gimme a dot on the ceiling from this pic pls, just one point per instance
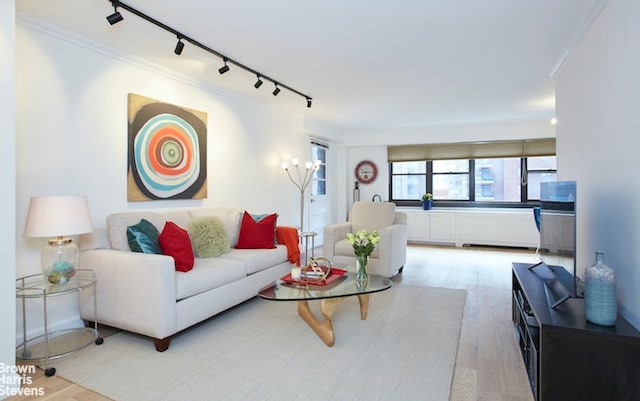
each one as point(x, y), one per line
point(367, 64)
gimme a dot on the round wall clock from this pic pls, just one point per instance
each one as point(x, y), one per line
point(366, 171)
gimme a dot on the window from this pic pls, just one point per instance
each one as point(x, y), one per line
point(408, 179)
point(319, 179)
point(498, 182)
point(539, 169)
point(451, 179)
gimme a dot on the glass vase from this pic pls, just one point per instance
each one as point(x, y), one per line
point(600, 302)
point(59, 259)
point(361, 268)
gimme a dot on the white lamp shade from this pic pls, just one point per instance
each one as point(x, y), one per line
point(53, 216)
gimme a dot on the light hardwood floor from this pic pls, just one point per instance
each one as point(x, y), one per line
point(488, 364)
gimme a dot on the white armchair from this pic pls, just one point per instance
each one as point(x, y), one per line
point(390, 254)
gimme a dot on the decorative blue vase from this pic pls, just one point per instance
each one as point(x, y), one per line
point(426, 205)
point(600, 301)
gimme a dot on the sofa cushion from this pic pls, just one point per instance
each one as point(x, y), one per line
point(207, 274)
point(143, 237)
point(255, 260)
point(344, 248)
point(174, 241)
point(209, 237)
point(97, 239)
point(257, 234)
point(230, 217)
point(180, 217)
point(372, 215)
point(117, 224)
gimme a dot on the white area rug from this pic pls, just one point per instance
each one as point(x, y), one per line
point(262, 350)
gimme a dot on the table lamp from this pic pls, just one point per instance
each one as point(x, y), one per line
point(58, 216)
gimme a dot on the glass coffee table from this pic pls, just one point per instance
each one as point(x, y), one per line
point(329, 296)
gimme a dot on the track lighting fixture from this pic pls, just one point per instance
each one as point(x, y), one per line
point(258, 83)
point(179, 46)
point(224, 68)
point(117, 17)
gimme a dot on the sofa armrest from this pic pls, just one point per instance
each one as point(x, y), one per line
point(392, 248)
point(333, 234)
point(134, 291)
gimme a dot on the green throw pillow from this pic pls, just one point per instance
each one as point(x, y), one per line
point(209, 237)
point(143, 237)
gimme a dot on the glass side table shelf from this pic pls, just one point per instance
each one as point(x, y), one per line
point(57, 344)
point(304, 238)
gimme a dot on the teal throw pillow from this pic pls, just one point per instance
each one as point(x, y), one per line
point(143, 237)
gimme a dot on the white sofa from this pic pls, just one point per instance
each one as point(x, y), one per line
point(389, 256)
point(144, 294)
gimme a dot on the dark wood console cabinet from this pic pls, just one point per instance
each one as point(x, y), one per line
point(566, 357)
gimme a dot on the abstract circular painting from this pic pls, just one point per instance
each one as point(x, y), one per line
point(167, 151)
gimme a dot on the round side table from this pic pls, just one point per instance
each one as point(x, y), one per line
point(52, 345)
point(305, 236)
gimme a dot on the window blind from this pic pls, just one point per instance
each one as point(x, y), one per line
point(472, 150)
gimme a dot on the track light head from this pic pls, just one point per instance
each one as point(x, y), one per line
point(224, 68)
point(258, 83)
point(115, 17)
point(309, 102)
point(276, 90)
point(179, 46)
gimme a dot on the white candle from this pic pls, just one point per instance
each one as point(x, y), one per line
point(296, 272)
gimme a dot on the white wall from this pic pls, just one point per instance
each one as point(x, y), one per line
point(597, 102)
point(376, 154)
point(8, 180)
point(72, 134)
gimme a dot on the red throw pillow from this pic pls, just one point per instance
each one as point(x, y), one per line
point(258, 234)
point(175, 242)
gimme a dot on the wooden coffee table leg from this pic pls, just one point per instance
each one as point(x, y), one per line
point(364, 306)
point(323, 329)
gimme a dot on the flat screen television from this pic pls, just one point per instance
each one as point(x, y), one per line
point(558, 239)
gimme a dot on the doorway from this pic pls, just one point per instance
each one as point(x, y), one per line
point(318, 202)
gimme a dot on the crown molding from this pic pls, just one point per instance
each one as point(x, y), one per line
point(591, 13)
point(74, 38)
